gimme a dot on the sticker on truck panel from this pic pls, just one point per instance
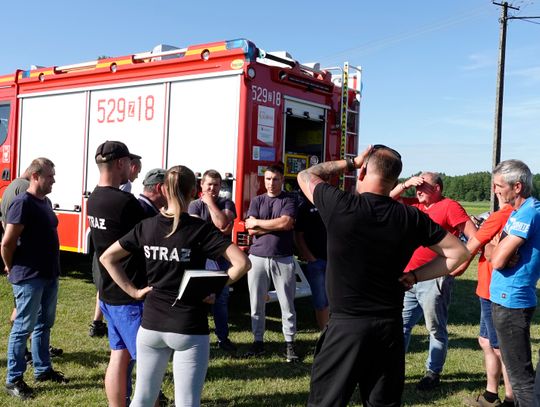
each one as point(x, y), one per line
point(6, 154)
point(237, 64)
point(264, 154)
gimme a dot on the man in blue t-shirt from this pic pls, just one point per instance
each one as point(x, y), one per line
point(31, 254)
point(270, 220)
point(516, 264)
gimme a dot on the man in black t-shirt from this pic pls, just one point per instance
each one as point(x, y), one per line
point(310, 238)
point(111, 214)
point(370, 240)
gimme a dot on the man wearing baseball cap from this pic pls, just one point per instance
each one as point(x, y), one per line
point(113, 150)
point(152, 198)
point(111, 214)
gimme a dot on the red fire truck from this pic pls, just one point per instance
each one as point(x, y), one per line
point(227, 105)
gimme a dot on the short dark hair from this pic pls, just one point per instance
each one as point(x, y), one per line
point(275, 168)
point(211, 174)
point(387, 164)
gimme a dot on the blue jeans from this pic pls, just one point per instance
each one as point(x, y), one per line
point(35, 300)
point(316, 277)
point(513, 326)
point(487, 329)
point(220, 310)
point(431, 299)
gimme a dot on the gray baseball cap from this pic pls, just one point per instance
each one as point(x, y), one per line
point(155, 176)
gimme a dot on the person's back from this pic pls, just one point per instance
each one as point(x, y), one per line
point(370, 240)
point(16, 187)
point(111, 214)
point(172, 242)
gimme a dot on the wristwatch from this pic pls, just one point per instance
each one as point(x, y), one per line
point(350, 164)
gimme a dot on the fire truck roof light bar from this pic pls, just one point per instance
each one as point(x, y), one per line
point(250, 51)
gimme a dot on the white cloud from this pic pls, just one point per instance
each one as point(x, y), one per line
point(523, 110)
point(479, 61)
point(470, 123)
point(530, 76)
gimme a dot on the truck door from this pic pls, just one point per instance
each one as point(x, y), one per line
point(304, 135)
point(5, 144)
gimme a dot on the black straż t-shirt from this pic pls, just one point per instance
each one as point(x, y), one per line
point(309, 221)
point(166, 260)
point(111, 214)
point(370, 241)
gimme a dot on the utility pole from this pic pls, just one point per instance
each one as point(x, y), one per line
point(497, 132)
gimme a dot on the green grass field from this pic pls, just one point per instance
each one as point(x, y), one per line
point(267, 381)
point(476, 208)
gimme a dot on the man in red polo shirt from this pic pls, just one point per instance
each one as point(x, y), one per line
point(431, 299)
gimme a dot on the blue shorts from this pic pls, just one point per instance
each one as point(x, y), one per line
point(123, 322)
point(316, 277)
point(487, 329)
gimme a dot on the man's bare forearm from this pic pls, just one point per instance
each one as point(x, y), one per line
point(309, 178)
point(323, 170)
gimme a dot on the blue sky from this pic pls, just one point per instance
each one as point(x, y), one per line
point(429, 67)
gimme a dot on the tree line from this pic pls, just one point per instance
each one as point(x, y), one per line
point(471, 187)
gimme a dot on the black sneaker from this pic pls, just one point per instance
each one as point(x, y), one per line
point(97, 329)
point(290, 353)
point(227, 346)
point(19, 389)
point(256, 349)
point(53, 376)
point(54, 352)
point(28, 356)
point(429, 382)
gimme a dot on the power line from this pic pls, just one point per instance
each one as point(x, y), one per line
point(393, 39)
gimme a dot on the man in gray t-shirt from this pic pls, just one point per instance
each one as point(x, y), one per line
point(221, 212)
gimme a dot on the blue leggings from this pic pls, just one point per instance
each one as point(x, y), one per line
point(190, 363)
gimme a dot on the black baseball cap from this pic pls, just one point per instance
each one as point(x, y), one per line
point(113, 150)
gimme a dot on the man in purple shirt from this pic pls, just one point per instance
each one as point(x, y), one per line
point(270, 221)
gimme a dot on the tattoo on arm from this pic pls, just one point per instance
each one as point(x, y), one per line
point(326, 169)
point(320, 172)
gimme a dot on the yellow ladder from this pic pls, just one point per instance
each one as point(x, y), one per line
point(350, 79)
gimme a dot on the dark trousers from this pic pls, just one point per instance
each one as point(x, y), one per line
point(367, 351)
point(537, 384)
point(514, 334)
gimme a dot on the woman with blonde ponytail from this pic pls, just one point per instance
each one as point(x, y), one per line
point(172, 242)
